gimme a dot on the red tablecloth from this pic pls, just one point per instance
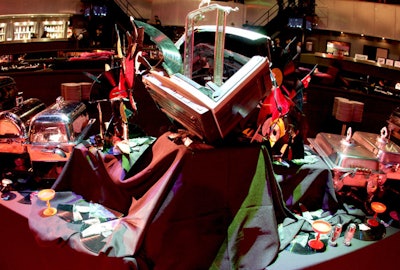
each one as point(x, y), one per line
point(184, 208)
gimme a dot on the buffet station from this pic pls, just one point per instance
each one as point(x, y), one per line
point(159, 167)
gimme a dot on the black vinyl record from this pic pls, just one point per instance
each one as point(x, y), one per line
point(301, 246)
point(372, 234)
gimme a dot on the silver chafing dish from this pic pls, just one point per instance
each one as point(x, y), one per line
point(387, 152)
point(55, 131)
point(351, 162)
point(14, 125)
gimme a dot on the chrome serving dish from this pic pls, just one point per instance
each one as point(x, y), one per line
point(344, 153)
point(14, 125)
point(386, 150)
point(55, 131)
point(352, 164)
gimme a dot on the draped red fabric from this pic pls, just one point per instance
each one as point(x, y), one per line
point(184, 208)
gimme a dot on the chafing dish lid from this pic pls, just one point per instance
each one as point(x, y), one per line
point(341, 153)
point(386, 150)
point(66, 112)
point(14, 122)
point(56, 123)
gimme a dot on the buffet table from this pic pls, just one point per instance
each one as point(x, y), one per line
point(20, 250)
point(215, 208)
point(182, 207)
point(360, 255)
point(311, 186)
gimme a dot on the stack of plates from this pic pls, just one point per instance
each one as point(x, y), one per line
point(85, 90)
point(358, 109)
point(344, 111)
point(71, 91)
point(335, 104)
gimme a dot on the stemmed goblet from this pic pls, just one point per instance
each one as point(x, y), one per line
point(47, 195)
point(320, 227)
point(378, 208)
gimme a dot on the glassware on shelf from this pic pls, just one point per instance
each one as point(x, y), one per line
point(320, 227)
point(2, 32)
point(55, 29)
point(24, 30)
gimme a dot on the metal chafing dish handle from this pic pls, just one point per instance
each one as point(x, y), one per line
point(56, 150)
point(348, 139)
point(382, 140)
point(60, 102)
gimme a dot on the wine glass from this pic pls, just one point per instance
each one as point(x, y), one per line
point(320, 227)
point(47, 195)
point(378, 208)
